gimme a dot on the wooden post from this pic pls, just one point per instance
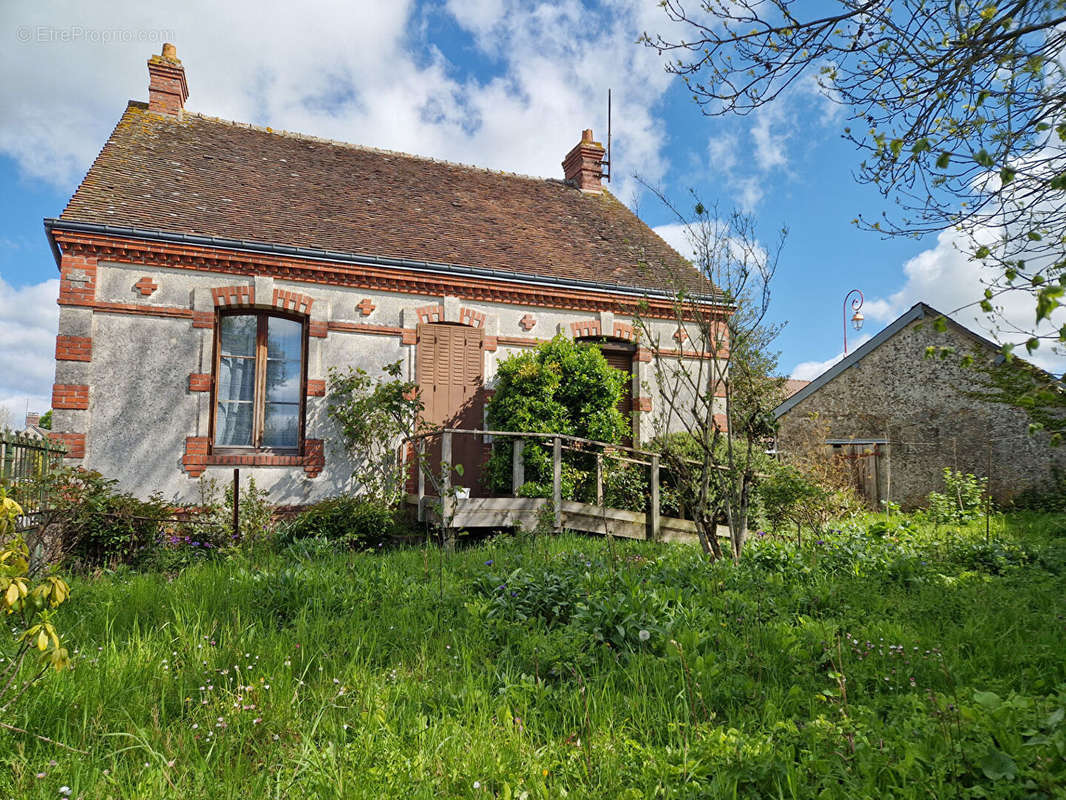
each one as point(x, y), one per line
point(654, 523)
point(599, 479)
point(557, 482)
point(447, 502)
point(236, 504)
point(420, 457)
point(518, 467)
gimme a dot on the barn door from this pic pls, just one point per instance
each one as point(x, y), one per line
point(449, 370)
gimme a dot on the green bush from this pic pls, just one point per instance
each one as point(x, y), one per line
point(354, 521)
point(963, 498)
point(560, 387)
point(97, 525)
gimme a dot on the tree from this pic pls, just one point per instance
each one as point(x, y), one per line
point(957, 109)
point(715, 373)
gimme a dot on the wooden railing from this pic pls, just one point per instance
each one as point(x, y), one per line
point(559, 442)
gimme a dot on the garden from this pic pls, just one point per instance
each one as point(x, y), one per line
point(891, 656)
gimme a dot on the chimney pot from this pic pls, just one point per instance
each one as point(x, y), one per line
point(167, 89)
point(32, 419)
point(583, 165)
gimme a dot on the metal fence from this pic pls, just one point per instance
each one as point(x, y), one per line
point(24, 456)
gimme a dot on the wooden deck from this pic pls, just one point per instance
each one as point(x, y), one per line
point(510, 512)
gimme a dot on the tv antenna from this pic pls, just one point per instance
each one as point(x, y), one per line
point(605, 171)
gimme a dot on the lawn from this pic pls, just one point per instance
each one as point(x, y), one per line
point(907, 662)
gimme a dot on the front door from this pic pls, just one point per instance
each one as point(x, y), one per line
point(449, 364)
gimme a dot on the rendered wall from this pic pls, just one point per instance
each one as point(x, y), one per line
point(143, 393)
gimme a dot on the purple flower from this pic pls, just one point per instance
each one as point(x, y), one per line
point(488, 563)
point(820, 541)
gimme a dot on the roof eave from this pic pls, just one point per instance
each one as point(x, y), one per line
point(52, 225)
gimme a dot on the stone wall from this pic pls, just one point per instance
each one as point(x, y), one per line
point(921, 407)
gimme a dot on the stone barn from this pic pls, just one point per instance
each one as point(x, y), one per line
point(212, 272)
point(899, 418)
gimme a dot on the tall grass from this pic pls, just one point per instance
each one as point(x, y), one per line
point(910, 663)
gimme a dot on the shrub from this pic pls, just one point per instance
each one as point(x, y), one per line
point(84, 519)
point(963, 498)
point(560, 387)
point(355, 521)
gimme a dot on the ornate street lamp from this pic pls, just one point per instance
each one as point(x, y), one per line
point(856, 318)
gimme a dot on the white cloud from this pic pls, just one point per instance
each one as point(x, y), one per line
point(946, 278)
point(809, 370)
point(28, 319)
point(365, 72)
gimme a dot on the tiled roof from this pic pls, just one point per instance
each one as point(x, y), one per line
point(200, 175)
point(793, 385)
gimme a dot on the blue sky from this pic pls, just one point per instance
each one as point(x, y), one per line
point(495, 83)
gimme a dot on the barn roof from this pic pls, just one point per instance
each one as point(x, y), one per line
point(206, 177)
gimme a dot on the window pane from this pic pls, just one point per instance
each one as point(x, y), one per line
point(283, 381)
point(233, 425)
point(281, 428)
point(284, 339)
point(237, 334)
point(236, 378)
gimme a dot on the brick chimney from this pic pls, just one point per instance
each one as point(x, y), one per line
point(583, 165)
point(32, 419)
point(167, 90)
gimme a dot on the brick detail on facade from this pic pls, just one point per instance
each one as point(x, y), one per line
point(316, 387)
point(146, 286)
point(624, 331)
point(586, 327)
point(74, 442)
point(292, 301)
point(195, 459)
point(680, 335)
point(241, 295)
point(314, 457)
point(721, 422)
point(199, 382)
point(74, 348)
point(409, 336)
point(490, 343)
point(73, 396)
point(365, 307)
point(203, 319)
point(430, 313)
point(643, 355)
point(198, 457)
point(642, 404)
point(475, 319)
point(77, 279)
point(318, 329)
point(527, 323)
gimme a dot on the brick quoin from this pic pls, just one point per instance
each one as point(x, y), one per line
point(74, 348)
point(70, 396)
point(77, 279)
point(314, 457)
point(203, 319)
point(195, 459)
point(316, 387)
point(642, 404)
point(74, 442)
point(199, 382)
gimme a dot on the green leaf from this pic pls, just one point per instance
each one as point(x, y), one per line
point(1034, 236)
point(982, 252)
point(1058, 182)
point(997, 765)
point(983, 158)
point(1032, 344)
point(1047, 300)
point(1006, 175)
point(989, 701)
point(940, 324)
point(944, 160)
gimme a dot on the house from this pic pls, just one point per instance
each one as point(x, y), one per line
point(212, 272)
point(899, 417)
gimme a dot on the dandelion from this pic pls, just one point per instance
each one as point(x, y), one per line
point(477, 784)
point(644, 635)
point(64, 790)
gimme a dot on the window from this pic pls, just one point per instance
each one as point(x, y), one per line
point(259, 382)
